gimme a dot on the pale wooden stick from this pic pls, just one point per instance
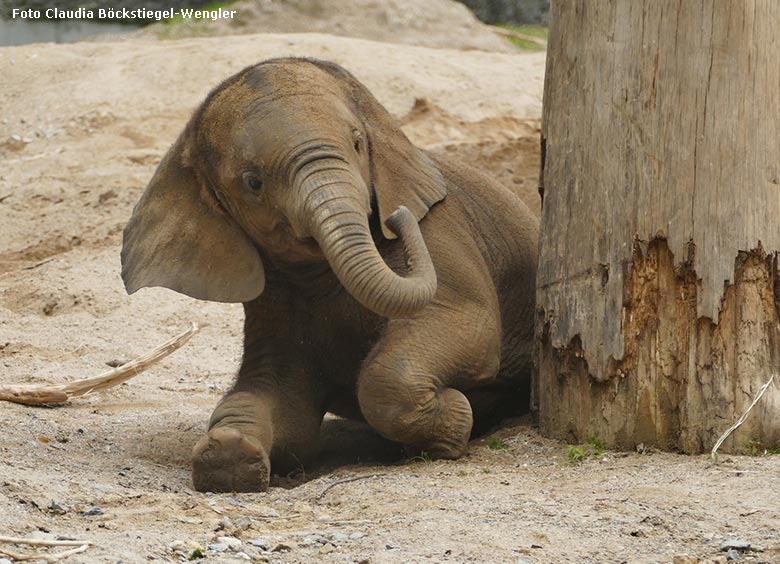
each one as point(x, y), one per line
point(43, 542)
point(741, 420)
point(38, 394)
point(46, 557)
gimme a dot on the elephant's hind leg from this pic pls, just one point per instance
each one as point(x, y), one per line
point(409, 387)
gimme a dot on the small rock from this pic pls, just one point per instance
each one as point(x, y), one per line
point(218, 547)
point(734, 544)
point(56, 508)
point(356, 536)
point(92, 512)
point(231, 542)
point(259, 543)
point(732, 555)
point(312, 539)
point(281, 548)
point(117, 362)
point(391, 546)
point(685, 560)
point(225, 524)
point(244, 523)
point(339, 537)
point(243, 556)
point(327, 548)
point(5, 561)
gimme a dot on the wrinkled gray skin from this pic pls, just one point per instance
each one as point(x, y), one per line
point(378, 281)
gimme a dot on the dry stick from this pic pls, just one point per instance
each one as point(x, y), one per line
point(39, 263)
point(46, 557)
point(43, 542)
point(741, 420)
point(346, 480)
point(37, 394)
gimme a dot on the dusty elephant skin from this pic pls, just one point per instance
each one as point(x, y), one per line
point(378, 282)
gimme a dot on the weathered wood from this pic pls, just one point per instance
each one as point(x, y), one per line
point(657, 287)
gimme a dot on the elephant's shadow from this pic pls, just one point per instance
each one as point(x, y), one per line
point(343, 442)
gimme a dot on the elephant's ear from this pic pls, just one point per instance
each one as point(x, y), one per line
point(180, 238)
point(402, 174)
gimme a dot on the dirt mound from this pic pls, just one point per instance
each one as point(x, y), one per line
point(433, 23)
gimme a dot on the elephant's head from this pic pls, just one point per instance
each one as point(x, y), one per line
point(285, 160)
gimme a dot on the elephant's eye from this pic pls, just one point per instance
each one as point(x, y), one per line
point(252, 181)
point(357, 140)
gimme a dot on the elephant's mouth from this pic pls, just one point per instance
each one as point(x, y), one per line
point(286, 247)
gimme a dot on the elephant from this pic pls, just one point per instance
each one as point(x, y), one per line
point(380, 282)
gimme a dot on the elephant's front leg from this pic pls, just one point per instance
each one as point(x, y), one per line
point(270, 420)
point(411, 387)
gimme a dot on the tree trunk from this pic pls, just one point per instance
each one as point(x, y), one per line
point(658, 293)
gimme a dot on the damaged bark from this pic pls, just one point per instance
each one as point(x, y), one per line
point(658, 314)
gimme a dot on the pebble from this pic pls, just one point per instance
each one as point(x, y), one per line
point(312, 539)
point(339, 537)
point(243, 556)
point(5, 561)
point(391, 546)
point(259, 543)
point(734, 544)
point(231, 542)
point(56, 508)
point(93, 511)
point(356, 536)
point(244, 523)
point(732, 555)
point(327, 548)
point(218, 547)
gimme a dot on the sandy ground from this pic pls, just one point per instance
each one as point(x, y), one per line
point(92, 122)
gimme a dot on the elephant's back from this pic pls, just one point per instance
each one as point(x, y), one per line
point(505, 231)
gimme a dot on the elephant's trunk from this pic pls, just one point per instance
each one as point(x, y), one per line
point(339, 223)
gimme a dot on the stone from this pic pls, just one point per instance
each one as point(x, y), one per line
point(231, 542)
point(218, 547)
point(734, 544)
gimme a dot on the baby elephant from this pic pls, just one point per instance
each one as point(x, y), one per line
point(379, 282)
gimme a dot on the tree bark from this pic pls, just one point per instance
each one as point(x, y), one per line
point(657, 290)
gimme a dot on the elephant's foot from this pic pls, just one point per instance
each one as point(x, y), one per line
point(450, 428)
point(227, 460)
